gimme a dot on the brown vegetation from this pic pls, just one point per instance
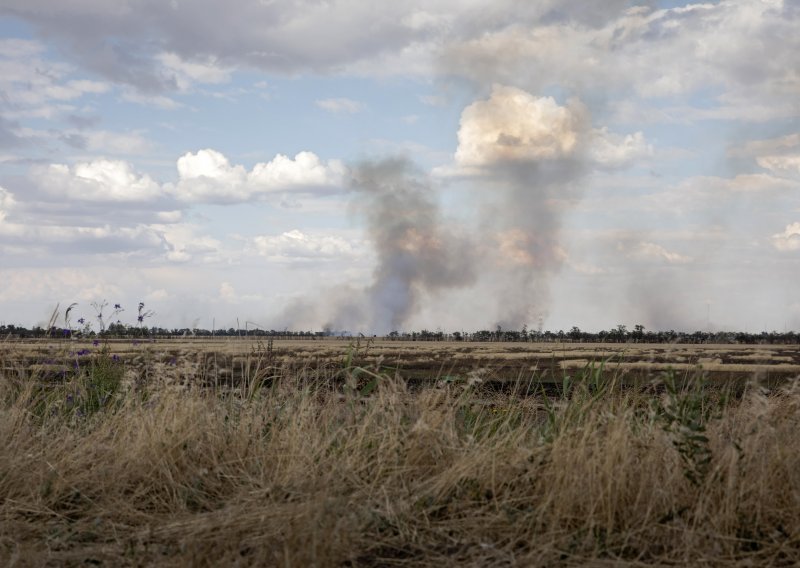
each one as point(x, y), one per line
point(289, 467)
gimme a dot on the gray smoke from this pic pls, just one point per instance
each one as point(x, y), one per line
point(530, 154)
point(416, 251)
point(532, 200)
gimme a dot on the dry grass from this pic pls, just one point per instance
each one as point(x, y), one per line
point(299, 474)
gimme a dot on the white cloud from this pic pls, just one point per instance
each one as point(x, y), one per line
point(516, 126)
point(169, 216)
point(779, 155)
point(789, 239)
point(609, 149)
point(104, 239)
point(183, 243)
point(341, 105)
point(36, 87)
point(513, 125)
point(208, 176)
point(16, 48)
point(97, 181)
point(770, 146)
point(785, 163)
point(305, 170)
point(186, 73)
point(646, 53)
point(6, 202)
point(297, 245)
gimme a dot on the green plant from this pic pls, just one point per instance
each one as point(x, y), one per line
point(96, 385)
point(684, 413)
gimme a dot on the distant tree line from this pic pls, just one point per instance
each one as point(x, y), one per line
point(618, 334)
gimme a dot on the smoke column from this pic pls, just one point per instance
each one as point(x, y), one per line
point(526, 157)
point(416, 251)
point(531, 153)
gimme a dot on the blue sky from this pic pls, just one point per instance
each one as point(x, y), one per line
point(452, 165)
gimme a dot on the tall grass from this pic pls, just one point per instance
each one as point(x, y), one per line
point(285, 470)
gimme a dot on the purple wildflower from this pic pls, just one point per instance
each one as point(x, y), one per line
point(83, 352)
point(115, 358)
point(81, 321)
point(96, 342)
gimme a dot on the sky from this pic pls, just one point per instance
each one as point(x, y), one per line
point(372, 166)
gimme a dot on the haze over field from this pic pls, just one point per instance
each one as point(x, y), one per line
point(375, 166)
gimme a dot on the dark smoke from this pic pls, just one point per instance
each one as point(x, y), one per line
point(416, 252)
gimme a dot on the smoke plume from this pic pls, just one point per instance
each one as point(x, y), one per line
point(527, 156)
point(532, 152)
point(416, 251)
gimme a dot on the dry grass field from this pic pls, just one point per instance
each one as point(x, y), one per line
point(334, 453)
point(203, 361)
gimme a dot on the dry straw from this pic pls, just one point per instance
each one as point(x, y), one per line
point(287, 469)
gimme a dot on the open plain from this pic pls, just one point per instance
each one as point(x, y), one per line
point(372, 453)
point(232, 360)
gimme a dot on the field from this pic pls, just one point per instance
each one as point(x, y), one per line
point(362, 453)
point(228, 361)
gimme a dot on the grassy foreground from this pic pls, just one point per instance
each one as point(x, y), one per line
point(369, 473)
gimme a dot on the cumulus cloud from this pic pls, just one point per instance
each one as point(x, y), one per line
point(208, 176)
point(341, 105)
point(789, 239)
point(513, 125)
point(99, 180)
